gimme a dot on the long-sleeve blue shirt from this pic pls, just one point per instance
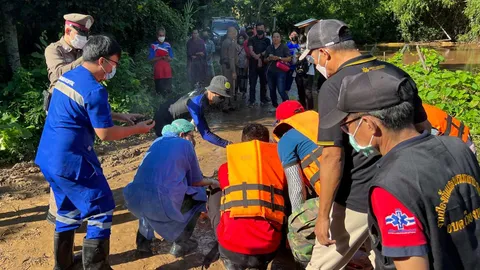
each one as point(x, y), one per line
point(195, 107)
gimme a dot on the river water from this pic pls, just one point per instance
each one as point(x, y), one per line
point(458, 57)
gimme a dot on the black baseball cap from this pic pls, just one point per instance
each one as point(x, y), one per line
point(326, 33)
point(366, 92)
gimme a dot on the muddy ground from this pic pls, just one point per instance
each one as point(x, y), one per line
point(26, 238)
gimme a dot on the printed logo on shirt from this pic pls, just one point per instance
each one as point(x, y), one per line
point(400, 220)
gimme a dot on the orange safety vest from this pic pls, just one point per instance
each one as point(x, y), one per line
point(256, 182)
point(307, 124)
point(445, 123)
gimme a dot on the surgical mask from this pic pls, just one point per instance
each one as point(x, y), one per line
point(240, 41)
point(79, 42)
point(109, 76)
point(294, 39)
point(322, 70)
point(368, 150)
point(260, 32)
point(161, 39)
point(249, 33)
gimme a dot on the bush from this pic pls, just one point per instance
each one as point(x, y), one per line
point(456, 92)
point(132, 90)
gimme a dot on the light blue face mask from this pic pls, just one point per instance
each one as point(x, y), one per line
point(368, 150)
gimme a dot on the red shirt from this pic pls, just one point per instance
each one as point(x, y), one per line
point(402, 234)
point(250, 236)
point(161, 68)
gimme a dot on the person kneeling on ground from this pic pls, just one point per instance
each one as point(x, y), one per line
point(249, 235)
point(167, 193)
point(192, 106)
point(423, 202)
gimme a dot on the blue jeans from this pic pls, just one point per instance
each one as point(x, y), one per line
point(276, 80)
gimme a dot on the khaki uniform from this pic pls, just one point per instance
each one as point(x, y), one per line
point(229, 58)
point(229, 61)
point(60, 58)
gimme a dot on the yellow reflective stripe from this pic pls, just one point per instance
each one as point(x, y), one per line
point(361, 61)
point(69, 92)
point(326, 143)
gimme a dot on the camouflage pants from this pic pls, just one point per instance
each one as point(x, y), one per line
point(301, 231)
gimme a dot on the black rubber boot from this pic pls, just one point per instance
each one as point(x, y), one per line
point(63, 250)
point(181, 249)
point(95, 254)
point(143, 245)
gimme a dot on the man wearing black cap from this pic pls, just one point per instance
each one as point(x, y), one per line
point(424, 201)
point(341, 234)
point(192, 106)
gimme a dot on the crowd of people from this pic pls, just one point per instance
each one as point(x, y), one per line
point(374, 170)
point(246, 57)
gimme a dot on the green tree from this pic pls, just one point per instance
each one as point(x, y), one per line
point(429, 19)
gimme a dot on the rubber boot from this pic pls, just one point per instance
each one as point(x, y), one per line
point(95, 254)
point(63, 250)
point(143, 245)
point(180, 249)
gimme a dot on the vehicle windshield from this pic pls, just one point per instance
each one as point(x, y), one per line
point(223, 25)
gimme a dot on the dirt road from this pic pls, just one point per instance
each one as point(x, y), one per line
point(26, 239)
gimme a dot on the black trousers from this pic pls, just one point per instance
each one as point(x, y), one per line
point(305, 90)
point(240, 261)
point(254, 72)
point(163, 86)
point(162, 118)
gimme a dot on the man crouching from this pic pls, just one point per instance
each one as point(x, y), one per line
point(167, 193)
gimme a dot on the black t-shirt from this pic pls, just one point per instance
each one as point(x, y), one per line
point(281, 51)
point(259, 44)
point(358, 170)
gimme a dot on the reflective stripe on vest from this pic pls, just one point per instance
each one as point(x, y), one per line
point(313, 158)
point(307, 124)
point(311, 169)
point(256, 182)
point(445, 123)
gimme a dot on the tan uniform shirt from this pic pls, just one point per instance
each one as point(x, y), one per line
point(229, 54)
point(60, 58)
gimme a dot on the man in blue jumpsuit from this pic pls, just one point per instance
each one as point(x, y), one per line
point(78, 110)
point(192, 106)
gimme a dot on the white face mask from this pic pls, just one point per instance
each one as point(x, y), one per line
point(161, 39)
point(79, 42)
point(322, 70)
point(109, 76)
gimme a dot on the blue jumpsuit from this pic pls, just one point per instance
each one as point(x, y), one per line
point(67, 158)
